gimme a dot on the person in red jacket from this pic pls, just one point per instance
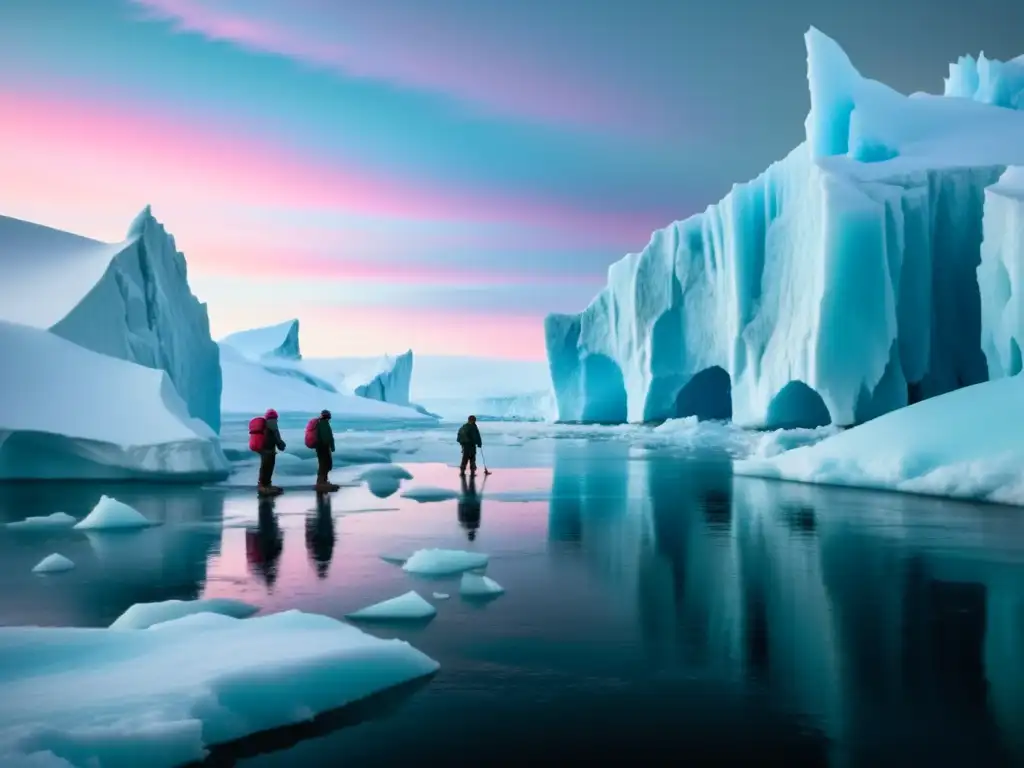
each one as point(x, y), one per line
point(272, 443)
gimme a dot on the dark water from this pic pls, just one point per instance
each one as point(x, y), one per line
point(657, 611)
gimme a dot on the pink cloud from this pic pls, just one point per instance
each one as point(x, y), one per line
point(105, 150)
point(405, 48)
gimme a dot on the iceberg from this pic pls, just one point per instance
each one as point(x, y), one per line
point(71, 413)
point(410, 606)
point(163, 697)
point(386, 378)
point(251, 387)
point(55, 563)
point(744, 311)
point(279, 341)
point(999, 275)
point(130, 300)
point(454, 387)
point(963, 444)
point(146, 615)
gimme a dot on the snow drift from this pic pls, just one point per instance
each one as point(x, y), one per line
point(837, 286)
point(70, 413)
point(130, 300)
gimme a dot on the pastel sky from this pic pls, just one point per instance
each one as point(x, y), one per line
point(434, 174)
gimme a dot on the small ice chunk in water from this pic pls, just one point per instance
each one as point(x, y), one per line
point(54, 563)
point(111, 514)
point(145, 615)
point(444, 562)
point(426, 493)
point(44, 522)
point(474, 585)
point(441, 595)
point(408, 606)
point(384, 479)
point(395, 559)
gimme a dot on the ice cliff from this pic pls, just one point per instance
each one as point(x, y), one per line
point(840, 284)
point(130, 300)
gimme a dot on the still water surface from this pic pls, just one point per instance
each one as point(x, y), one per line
point(658, 610)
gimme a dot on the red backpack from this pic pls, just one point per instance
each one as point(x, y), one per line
point(257, 434)
point(311, 432)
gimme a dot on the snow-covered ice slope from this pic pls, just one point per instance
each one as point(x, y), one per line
point(965, 444)
point(250, 388)
point(279, 341)
point(130, 300)
point(160, 697)
point(69, 413)
point(454, 387)
point(838, 285)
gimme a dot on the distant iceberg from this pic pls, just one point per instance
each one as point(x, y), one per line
point(279, 341)
point(130, 300)
point(839, 285)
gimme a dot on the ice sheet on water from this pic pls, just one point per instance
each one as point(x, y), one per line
point(474, 585)
point(160, 698)
point(111, 514)
point(441, 595)
point(408, 606)
point(428, 493)
point(963, 444)
point(146, 615)
point(444, 562)
point(57, 520)
point(54, 563)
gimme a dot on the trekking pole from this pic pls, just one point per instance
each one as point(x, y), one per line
point(484, 460)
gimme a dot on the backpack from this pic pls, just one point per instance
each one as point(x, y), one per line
point(311, 432)
point(257, 434)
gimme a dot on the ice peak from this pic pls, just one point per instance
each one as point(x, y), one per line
point(139, 223)
point(831, 78)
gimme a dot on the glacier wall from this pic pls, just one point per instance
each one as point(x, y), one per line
point(142, 310)
point(1000, 275)
point(838, 285)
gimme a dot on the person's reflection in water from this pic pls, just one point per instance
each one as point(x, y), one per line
point(263, 545)
point(320, 536)
point(469, 505)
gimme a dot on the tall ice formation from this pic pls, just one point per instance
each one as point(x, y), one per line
point(130, 300)
point(840, 284)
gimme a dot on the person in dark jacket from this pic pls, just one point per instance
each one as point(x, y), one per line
point(324, 449)
point(272, 443)
point(469, 440)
